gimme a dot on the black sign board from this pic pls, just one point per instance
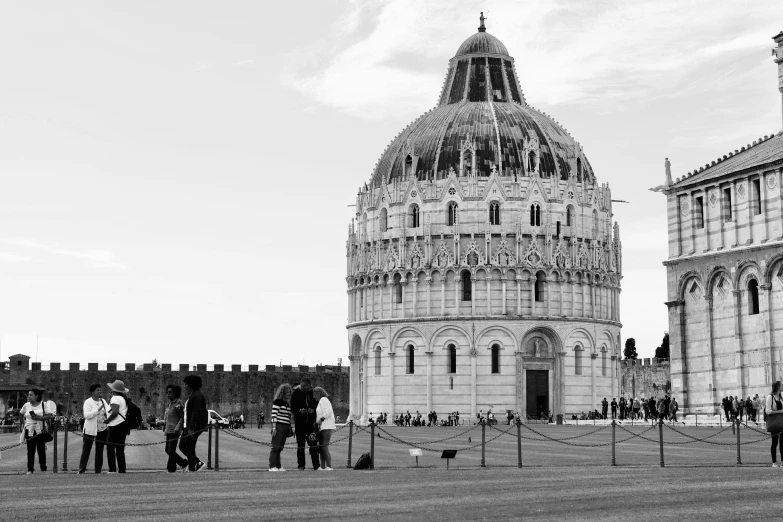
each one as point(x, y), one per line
point(448, 455)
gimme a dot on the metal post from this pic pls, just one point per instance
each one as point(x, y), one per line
point(613, 439)
point(697, 420)
point(217, 448)
point(519, 444)
point(372, 445)
point(350, 442)
point(483, 427)
point(660, 438)
point(739, 458)
point(209, 447)
point(54, 467)
point(65, 450)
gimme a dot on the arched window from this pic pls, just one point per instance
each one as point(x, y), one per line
point(753, 297)
point(452, 358)
point(538, 289)
point(494, 213)
point(384, 220)
point(467, 291)
point(415, 216)
point(570, 218)
point(603, 361)
point(408, 167)
point(535, 215)
point(578, 170)
point(578, 359)
point(397, 288)
point(377, 360)
point(409, 360)
point(495, 358)
point(452, 214)
point(531, 162)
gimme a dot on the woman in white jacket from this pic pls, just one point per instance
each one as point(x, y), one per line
point(325, 423)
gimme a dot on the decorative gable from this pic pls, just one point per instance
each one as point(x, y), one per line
point(473, 255)
point(443, 256)
point(503, 255)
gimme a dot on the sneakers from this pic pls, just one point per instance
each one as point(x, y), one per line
point(776, 465)
point(199, 466)
point(280, 469)
point(272, 469)
point(184, 469)
point(29, 473)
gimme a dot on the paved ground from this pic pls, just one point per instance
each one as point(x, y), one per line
point(577, 446)
point(567, 493)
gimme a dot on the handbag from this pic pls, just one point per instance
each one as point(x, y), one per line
point(290, 431)
point(46, 434)
point(775, 422)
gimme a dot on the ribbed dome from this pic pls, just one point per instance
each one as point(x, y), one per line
point(482, 43)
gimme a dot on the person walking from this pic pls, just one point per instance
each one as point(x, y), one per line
point(774, 410)
point(303, 407)
point(196, 421)
point(34, 414)
point(173, 423)
point(115, 450)
point(325, 425)
point(95, 429)
point(281, 425)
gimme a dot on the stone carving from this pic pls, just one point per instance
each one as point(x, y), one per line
point(503, 255)
point(473, 255)
point(713, 198)
point(741, 191)
point(533, 255)
point(583, 257)
point(685, 207)
point(392, 259)
point(772, 180)
point(415, 260)
point(443, 256)
point(562, 260)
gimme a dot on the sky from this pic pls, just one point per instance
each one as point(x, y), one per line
point(175, 177)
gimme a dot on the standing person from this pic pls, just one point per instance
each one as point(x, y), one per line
point(756, 407)
point(242, 420)
point(637, 406)
point(95, 428)
point(774, 408)
point(196, 420)
point(325, 424)
point(303, 407)
point(115, 450)
point(281, 425)
point(34, 414)
point(173, 423)
point(259, 422)
point(614, 408)
point(673, 407)
point(604, 408)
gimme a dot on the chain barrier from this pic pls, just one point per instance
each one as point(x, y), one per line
point(566, 438)
point(295, 445)
point(447, 438)
point(709, 441)
point(467, 448)
point(580, 445)
point(22, 443)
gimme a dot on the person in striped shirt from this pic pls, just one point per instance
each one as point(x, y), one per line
point(281, 424)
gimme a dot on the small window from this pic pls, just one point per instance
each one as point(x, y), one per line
point(415, 216)
point(408, 167)
point(495, 358)
point(452, 214)
point(756, 201)
point(531, 162)
point(538, 289)
point(494, 213)
point(603, 362)
point(558, 229)
point(578, 170)
point(384, 220)
point(535, 215)
point(378, 361)
point(410, 365)
point(452, 358)
point(467, 291)
point(451, 383)
point(397, 288)
point(570, 216)
point(753, 297)
point(727, 214)
point(578, 360)
point(699, 210)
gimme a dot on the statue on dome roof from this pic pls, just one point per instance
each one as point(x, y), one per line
point(482, 28)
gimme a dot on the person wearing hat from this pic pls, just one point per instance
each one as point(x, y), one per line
point(115, 450)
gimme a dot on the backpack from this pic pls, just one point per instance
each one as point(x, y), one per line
point(133, 421)
point(364, 462)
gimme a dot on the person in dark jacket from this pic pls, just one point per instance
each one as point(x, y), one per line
point(303, 406)
point(196, 421)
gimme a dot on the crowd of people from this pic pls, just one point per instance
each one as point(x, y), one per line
point(735, 408)
point(634, 408)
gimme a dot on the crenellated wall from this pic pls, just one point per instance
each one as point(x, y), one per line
point(227, 390)
point(644, 378)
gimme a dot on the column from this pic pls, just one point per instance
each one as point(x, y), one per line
point(390, 284)
point(779, 178)
point(679, 224)
point(457, 288)
point(593, 355)
point(428, 354)
point(364, 301)
point(473, 383)
point(711, 344)
point(721, 205)
point(533, 295)
point(391, 383)
point(353, 392)
point(707, 219)
point(560, 283)
point(739, 359)
point(503, 292)
point(415, 295)
point(573, 296)
point(592, 299)
point(472, 294)
point(429, 295)
point(612, 371)
point(403, 284)
point(365, 374)
point(584, 295)
point(692, 199)
point(489, 294)
point(372, 301)
point(350, 307)
point(769, 325)
point(764, 217)
point(443, 294)
point(560, 376)
point(617, 293)
point(749, 194)
point(548, 294)
point(519, 296)
point(734, 216)
point(520, 382)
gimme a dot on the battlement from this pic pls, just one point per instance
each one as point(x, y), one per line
point(630, 363)
point(168, 368)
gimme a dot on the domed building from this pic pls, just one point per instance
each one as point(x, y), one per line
point(483, 268)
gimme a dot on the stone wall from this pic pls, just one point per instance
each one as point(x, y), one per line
point(644, 378)
point(227, 390)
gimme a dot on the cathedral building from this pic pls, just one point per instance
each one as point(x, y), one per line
point(483, 267)
point(725, 273)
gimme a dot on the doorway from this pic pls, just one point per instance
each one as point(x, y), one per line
point(537, 389)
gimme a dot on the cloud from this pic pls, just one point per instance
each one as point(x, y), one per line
point(95, 258)
point(9, 257)
point(242, 63)
point(566, 52)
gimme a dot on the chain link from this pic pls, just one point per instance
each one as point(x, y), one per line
point(709, 441)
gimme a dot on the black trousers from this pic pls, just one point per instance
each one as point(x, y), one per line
point(100, 443)
point(115, 450)
point(175, 459)
point(301, 444)
point(775, 440)
point(188, 446)
point(35, 444)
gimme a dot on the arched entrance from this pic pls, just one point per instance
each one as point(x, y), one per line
point(539, 379)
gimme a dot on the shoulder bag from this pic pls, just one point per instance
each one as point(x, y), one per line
point(46, 433)
point(775, 422)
